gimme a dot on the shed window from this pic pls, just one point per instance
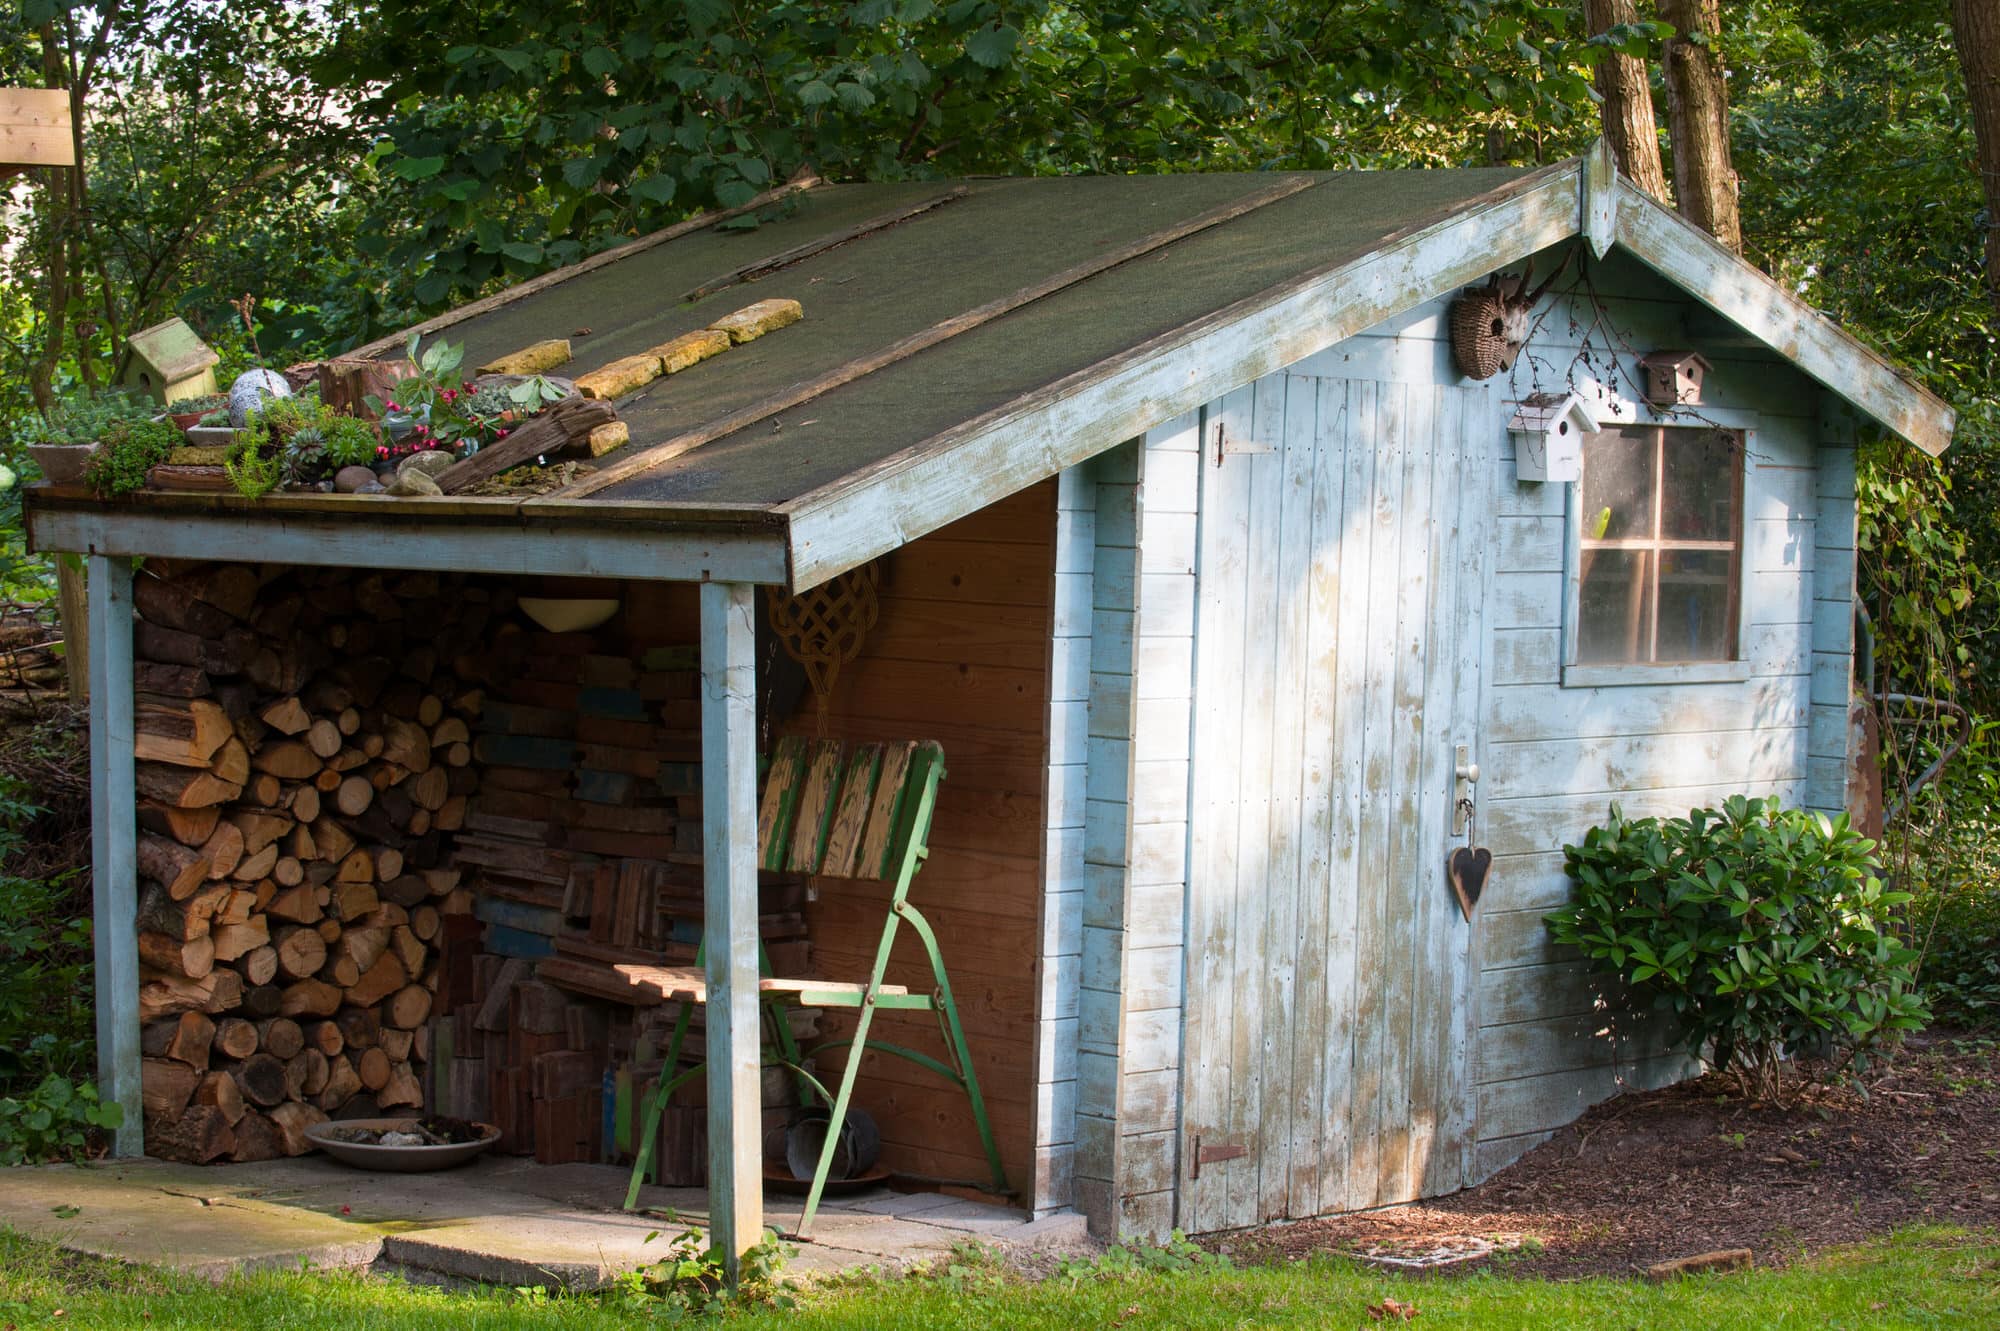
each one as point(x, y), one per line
point(1661, 549)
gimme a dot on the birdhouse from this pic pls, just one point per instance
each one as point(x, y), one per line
point(1549, 430)
point(169, 363)
point(1673, 378)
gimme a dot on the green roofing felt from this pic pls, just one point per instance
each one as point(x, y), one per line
point(999, 237)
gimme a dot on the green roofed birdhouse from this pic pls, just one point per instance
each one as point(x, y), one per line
point(170, 363)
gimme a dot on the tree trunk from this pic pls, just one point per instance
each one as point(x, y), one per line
point(1698, 120)
point(1975, 27)
point(1628, 102)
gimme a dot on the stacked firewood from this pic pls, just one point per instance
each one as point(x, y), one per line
point(304, 749)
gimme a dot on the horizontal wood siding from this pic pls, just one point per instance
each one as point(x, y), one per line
point(962, 655)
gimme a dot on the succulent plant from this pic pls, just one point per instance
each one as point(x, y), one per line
point(304, 459)
point(488, 401)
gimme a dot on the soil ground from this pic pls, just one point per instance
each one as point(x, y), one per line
point(1693, 1168)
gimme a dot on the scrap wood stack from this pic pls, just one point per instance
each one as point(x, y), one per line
point(583, 850)
point(304, 748)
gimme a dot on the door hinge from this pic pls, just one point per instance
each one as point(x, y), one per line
point(1214, 1155)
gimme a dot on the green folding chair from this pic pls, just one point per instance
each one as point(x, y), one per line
point(828, 812)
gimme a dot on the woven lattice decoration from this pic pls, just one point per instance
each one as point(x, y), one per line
point(823, 629)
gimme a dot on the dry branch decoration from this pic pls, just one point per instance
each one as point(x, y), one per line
point(823, 629)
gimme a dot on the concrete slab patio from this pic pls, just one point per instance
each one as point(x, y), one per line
point(497, 1221)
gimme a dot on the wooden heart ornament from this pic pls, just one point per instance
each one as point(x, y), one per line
point(1468, 867)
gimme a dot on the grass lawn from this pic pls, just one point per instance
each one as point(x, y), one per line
point(1921, 1278)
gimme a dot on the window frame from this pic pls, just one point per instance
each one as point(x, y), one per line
point(1737, 669)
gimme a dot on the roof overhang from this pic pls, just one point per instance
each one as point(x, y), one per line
point(871, 511)
point(448, 535)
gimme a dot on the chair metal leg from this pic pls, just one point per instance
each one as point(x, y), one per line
point(954, 1032)
point(643, 1166)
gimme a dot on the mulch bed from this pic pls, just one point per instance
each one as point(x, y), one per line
point(1663, 1174)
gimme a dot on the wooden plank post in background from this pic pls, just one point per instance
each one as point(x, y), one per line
point(729, 877)
point(113, 847)
point(75, 626)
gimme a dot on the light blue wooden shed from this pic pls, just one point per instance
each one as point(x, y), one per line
point(1298, 629)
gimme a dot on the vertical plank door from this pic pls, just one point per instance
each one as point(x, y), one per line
point(1335, 671)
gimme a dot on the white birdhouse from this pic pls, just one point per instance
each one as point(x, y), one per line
point(1549, 430)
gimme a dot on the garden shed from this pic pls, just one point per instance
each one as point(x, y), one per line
point(1170, 511)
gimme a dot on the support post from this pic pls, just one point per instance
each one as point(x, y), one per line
point(113, 847)
point(729, 899)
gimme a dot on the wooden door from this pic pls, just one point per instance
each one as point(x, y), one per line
point(1336, 667)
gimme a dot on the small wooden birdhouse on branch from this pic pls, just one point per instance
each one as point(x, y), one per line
point(1673, 378)
point(170, 362)
point(1548, 431)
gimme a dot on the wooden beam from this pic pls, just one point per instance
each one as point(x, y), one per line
point(35, 128)
point(1039, 434)
point(499, 299)
point(1692, 260)
point(640, 461)
point(114, 823)
point(505, 543)
point(729, 904)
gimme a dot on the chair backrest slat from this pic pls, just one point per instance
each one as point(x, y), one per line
point(836, 814)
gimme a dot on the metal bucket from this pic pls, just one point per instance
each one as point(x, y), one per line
point(860, 1144)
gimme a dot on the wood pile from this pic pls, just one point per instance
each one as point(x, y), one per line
point(304, 752)
point(583, 851)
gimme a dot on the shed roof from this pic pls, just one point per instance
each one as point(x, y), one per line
point(962, 341)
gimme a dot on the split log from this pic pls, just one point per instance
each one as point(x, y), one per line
point(259, 828)
point(310, 998)
point(186, 734)
point(361, 1029)
point(409, 1007)
point(287, 716)
point(257, 1138)
point(169, 681)
point(184, 1039)
point(354, 795)
point(233, 940)
point(280, 1037)
point(304, 803)
point(341, 1084)
point(199, 1136)
point(261, 1077)
point(223, 850)
point(289, 760)
point(259, 966)
point(183, 787)
point(236, 1037)
point(263, 1001)
point(403, 1088)
point(397, 1043)
point(373, 1067)
point(192, 957)
point(323, 738)
point(171, 603)
point(300, 905)
point(166, 1086)
point(291, 1121)
point(301, 952)
point(377, 982)
point(190, 827)
point(334, 841)
point(325, 1036)
point(218, 1090)
point(167, 995)
point(256, 866)
point(352, 900)
point(179, 869)
point(231, 763)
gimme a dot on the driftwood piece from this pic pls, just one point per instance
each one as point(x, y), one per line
point(550, 431)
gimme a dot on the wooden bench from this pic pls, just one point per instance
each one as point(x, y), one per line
point(833, 811)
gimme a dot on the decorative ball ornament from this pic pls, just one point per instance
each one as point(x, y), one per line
point(252, 389)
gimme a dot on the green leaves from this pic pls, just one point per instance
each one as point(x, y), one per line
point(1761, 929)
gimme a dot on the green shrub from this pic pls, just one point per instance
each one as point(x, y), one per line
point(54, 1121)
point(46, 1040)
point(127, 450)
point(1764, 931)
